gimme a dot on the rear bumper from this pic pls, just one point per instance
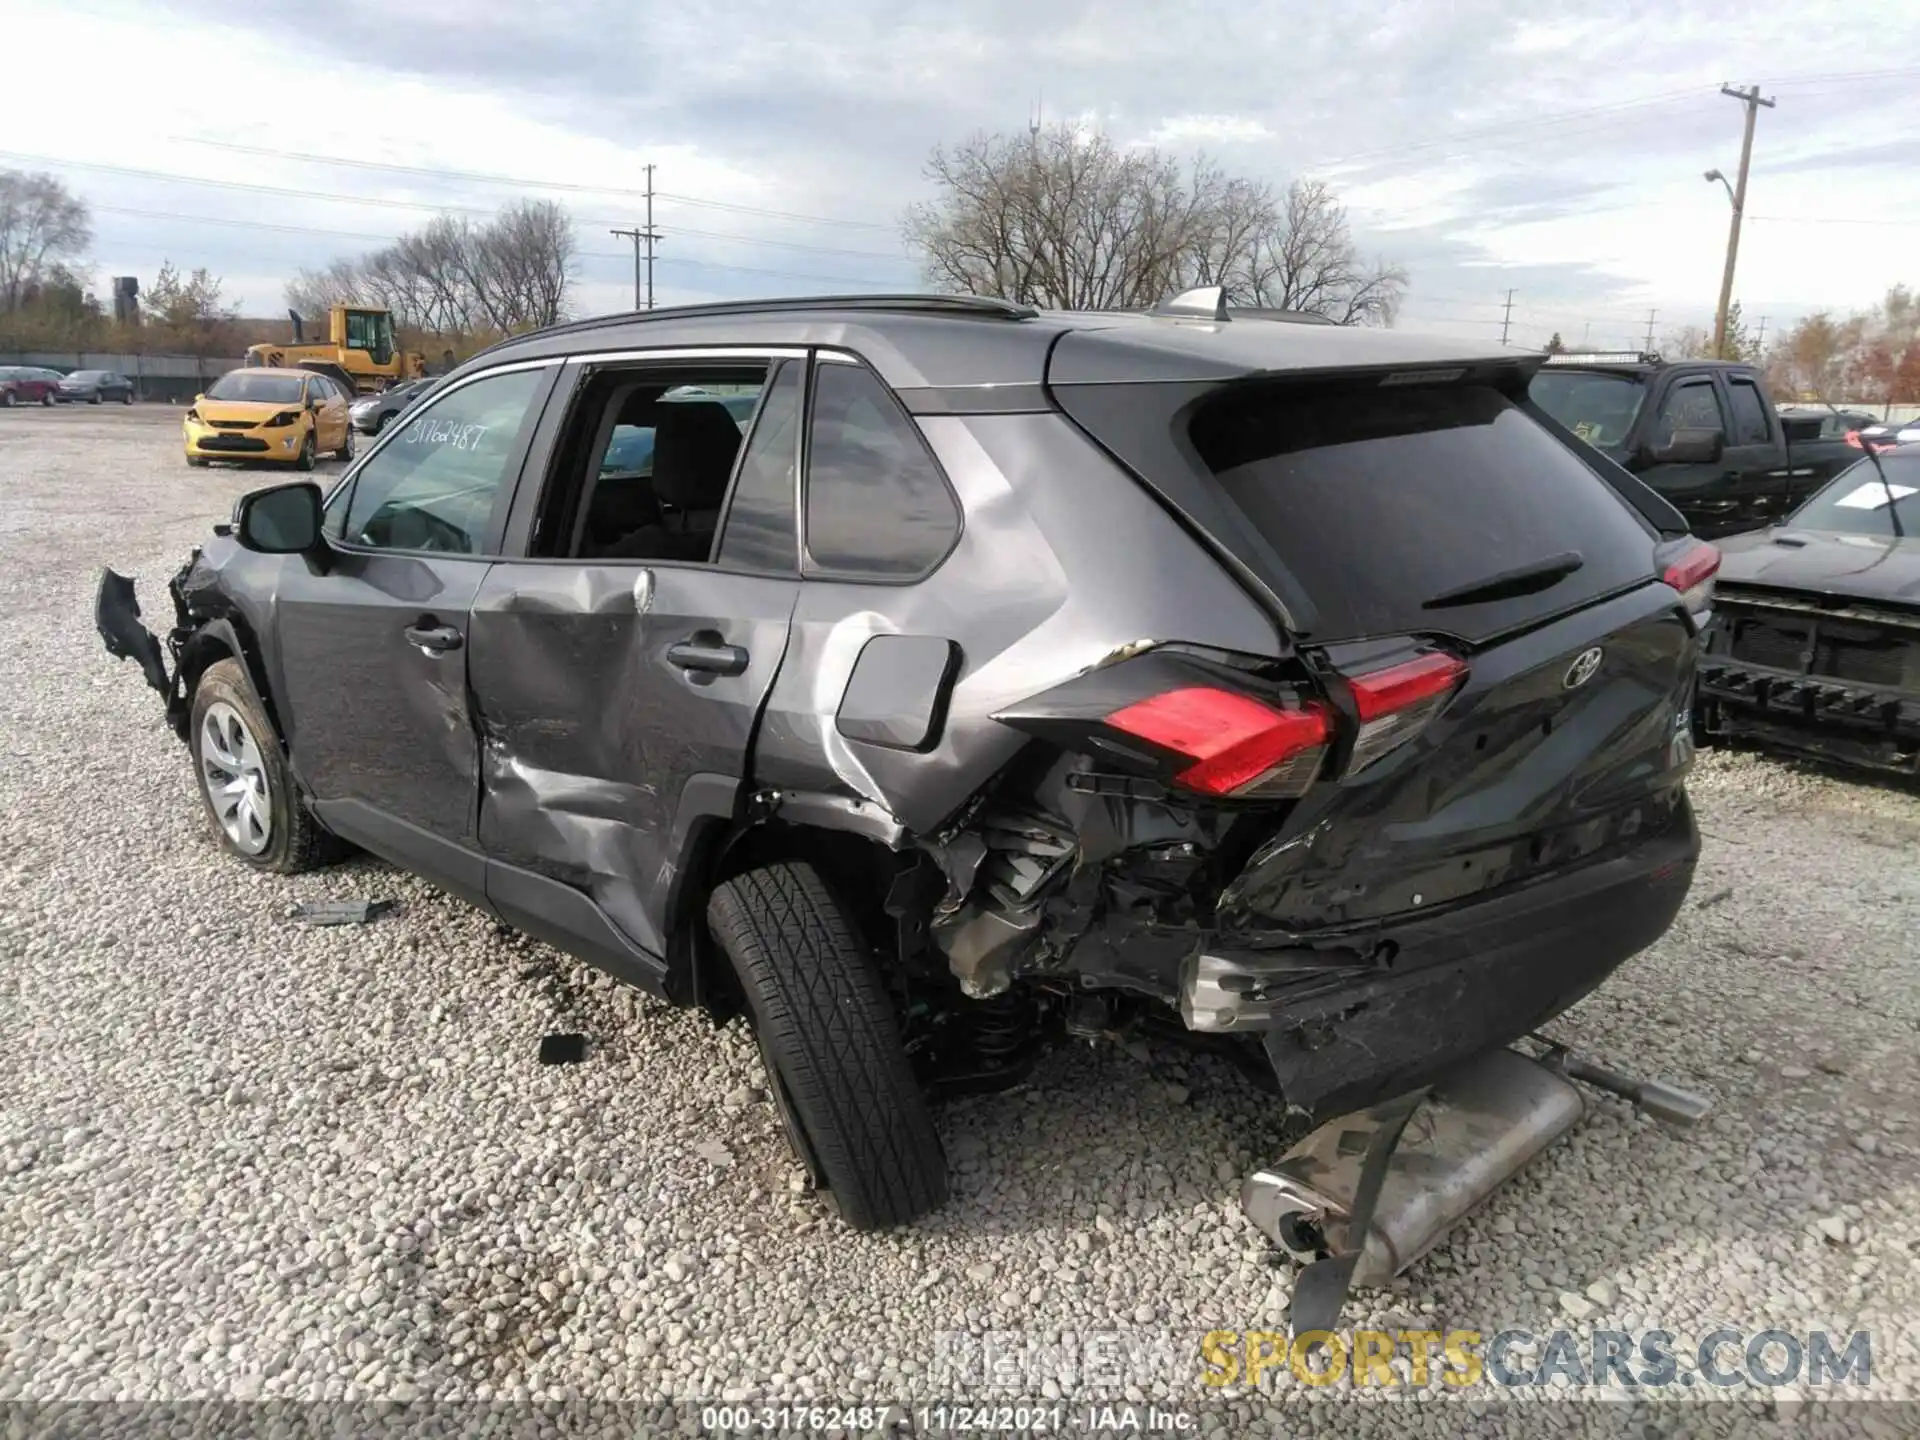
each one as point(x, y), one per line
point(1463, 982)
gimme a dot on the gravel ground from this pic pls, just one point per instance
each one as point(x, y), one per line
point(244, 1158)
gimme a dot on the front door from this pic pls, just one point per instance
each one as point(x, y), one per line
point(1707, 493)
point(618, 680)
point(372, 644)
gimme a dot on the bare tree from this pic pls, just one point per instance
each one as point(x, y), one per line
point(456, 279)
point(1071, 221)
point(312, 293)
point(518, 265)
point(42, 225)
point(1303, 258)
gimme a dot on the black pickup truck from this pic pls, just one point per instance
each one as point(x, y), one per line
point(1703, 433)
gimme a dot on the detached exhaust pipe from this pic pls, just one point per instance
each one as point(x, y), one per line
point(1365, 1195)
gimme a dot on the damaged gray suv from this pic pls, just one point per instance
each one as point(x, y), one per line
point(920, 677)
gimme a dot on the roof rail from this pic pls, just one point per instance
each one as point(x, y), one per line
point(1265, 312)
point(985, 306)
point(1605, 357)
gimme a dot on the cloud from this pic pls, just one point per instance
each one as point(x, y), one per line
point(1188, 132)
point(1472, 140)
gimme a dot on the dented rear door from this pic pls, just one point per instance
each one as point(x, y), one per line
point(602, 691)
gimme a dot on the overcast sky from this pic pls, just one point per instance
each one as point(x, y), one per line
point(1477, 143)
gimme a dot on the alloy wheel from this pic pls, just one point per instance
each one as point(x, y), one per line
point(235, 776)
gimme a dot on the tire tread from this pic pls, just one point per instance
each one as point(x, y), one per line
point(825, 1015)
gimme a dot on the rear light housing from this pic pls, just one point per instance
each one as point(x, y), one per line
point(1223, 727)
point(1395, 703)
point(1239, 747)
point(1691, 572)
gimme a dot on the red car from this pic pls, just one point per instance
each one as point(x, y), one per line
point(26, 384)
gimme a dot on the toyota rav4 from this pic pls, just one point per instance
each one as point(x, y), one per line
point(949, 674)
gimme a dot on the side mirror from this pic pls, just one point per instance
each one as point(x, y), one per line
point(280, 520)
point(1700, 446)
point(201, 396)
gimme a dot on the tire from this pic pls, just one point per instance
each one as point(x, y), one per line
point(304, 460)
point(94, 399)
point(48, 400)
point(345, 452)
point(196, 461)
point(6, 399)
point(232, 741)
point(127, 399)
point(826, 1028)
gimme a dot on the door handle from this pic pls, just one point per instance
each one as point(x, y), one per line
point(431, 639)
point(708, 656)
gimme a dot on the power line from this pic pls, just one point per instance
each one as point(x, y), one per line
point(389, 203)
point(484, 177)
point(853, 282)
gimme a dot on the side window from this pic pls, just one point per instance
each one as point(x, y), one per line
point(432, 486)
point(1690, 405)
point(877, 505)
point(1749, 413)
point(642, 468)
point(759, 533)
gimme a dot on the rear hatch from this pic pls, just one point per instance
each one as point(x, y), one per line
point(1481, 618)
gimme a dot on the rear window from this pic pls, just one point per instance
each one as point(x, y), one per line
point(1862, 500)
point(1599, 408)
point(1389, 504)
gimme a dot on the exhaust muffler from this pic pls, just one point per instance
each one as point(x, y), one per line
point(1365, 1195)
point(1476, 1129)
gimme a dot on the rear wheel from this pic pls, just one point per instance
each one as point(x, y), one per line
point(826, 1028)
point(244, 781)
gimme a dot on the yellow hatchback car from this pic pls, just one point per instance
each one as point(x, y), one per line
point(287, 417)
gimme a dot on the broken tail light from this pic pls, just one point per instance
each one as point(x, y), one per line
point(1691, 572)
point(1239, 747)
point(1394, 704)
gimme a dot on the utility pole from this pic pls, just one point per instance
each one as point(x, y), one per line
point(1506, 318)
point(1760, 340)
point(650, 236)
point(1750, 99)
point(1648, 347)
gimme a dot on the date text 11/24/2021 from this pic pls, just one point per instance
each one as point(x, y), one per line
point(950, 1418)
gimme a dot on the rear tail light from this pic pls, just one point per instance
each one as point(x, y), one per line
point(1396, 703)
point(1691, 573)
point(1239, 747)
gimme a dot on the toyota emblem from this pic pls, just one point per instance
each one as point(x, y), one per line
point(1582, 668)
